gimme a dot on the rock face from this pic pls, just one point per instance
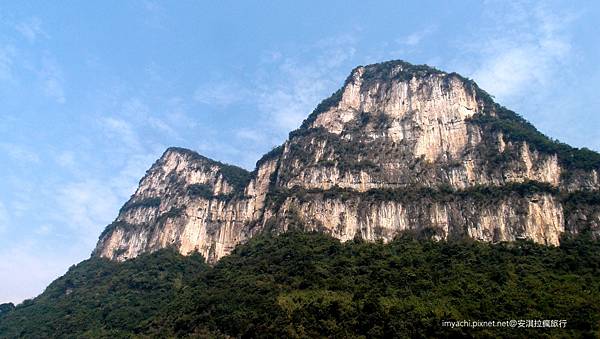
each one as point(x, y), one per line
point(399, 147)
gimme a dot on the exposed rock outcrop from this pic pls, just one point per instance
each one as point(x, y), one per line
point(398, 147)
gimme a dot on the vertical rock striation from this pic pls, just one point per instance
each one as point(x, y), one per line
point(399, 147)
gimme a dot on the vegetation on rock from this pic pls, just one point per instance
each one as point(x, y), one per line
point(234, 175)
point(147, 202)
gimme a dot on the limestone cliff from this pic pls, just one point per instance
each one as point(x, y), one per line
point(398, 147)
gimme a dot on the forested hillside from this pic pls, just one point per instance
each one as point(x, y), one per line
point(309, 285)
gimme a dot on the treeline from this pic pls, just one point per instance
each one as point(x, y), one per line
point(236, 176)
point(517, 129)
point(308, 285)
point(442, 193)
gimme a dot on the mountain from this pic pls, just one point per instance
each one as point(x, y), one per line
point(443, 200)
point(399, 147)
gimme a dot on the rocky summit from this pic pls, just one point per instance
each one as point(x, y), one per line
point(399, 147)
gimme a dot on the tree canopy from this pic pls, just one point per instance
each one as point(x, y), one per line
point(309, 285)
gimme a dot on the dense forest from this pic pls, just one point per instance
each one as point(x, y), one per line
point(309, 285)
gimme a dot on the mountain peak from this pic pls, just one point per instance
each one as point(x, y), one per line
point(378, 73)
point(398, 69)
point(399, 147)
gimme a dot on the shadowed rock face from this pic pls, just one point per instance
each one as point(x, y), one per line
point(398, 147)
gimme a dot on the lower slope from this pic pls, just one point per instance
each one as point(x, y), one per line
point(309, 285)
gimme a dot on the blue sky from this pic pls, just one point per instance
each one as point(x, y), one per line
point(91, 93)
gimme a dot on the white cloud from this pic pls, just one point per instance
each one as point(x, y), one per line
point(287, 104)
point(416, 37)
point(220, 93)
point(152, 6)
point(287, 88)
point(21, 202)
point(126, 181)
point(44, 229)
point(87, 205)
point(52, 81)
point(285, 93)
point(75, 213)
point(31, 29)
point(135, 108)
point(53, 88)
point(250, 135)
point(123, 131)
point(19, 153)
point(288, 107)
point(136, 112)
point(525, 51)
point(82, 208)
point(270, 56)
point(7, 55)
point(30, 270)
point(66, 159)
point(153, 14)
point(302, 85)
point(161, 125)
point(4, 218)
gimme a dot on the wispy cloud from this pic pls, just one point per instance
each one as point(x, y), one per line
point(152, 14)
point(526, 49)
point(43, 229)
point(286, 86)
point(7, 55)
point(31, 29)
point(52, 81)
point(161, 126)
point(30, 270)
point(126, 180)
point(302, 85)
point(134, 113)
point(250, 135)
point(152, 6)
point(90, 203)
point(220, 93)
point(87, 206)
point(19, 153)
point(23, 202)
point(416, 37)
point(134, 108)
point(66, 159)
point(4, 218)
point(121, 130)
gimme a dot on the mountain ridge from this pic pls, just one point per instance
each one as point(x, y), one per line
point(331, 234)
point(393, 132)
